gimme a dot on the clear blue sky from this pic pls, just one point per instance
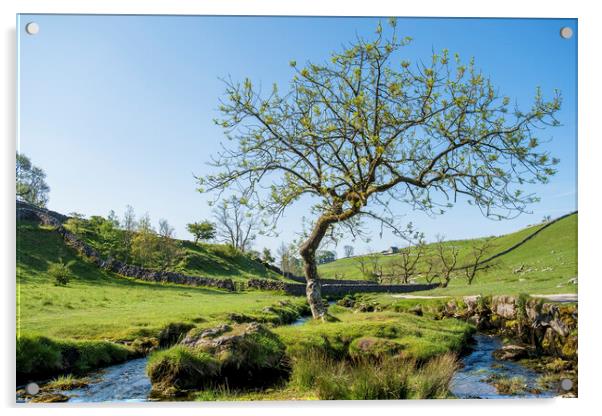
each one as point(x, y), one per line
point(118, 109)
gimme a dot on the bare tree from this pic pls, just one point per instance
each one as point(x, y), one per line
point(129, 227)
point(289, 263)
point(348, 251)
point(478, 253)
point(430, 271)
point(369, 266)
point(361, 130)
point(168, 250)
point(447, 259)
point(406, 261)
point(236, 224)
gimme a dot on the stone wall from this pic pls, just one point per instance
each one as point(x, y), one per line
point(548, 328)
point(337, 290)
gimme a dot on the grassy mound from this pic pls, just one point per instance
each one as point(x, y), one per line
point(182, 368)
point(227, 355)
point(418, 337)
point(40, 357)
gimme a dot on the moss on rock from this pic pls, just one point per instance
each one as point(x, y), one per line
point(373, 348)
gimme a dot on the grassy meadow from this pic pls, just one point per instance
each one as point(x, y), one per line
point(543, 265)
point(100, 305)
point(384, 347)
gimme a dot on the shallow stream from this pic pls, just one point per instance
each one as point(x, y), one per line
point(128, 382)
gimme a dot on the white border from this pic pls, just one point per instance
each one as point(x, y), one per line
point(589, 187)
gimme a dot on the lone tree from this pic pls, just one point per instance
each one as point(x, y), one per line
point(366, 128)
point(31, 183)
point(202, 231)
point(236, 224)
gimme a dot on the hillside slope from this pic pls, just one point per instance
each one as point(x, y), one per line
point(97, 304)
point(543, 264)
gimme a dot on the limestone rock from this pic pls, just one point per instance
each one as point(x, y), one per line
point(511, 352)
point(504, 306)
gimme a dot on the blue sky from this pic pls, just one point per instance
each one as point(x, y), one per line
point(118, 109)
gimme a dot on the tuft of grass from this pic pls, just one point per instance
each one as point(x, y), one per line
point(432, 380)
point(366, 379)
point(66, 382)
point(509, 385)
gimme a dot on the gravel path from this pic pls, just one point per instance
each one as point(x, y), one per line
point(561, 297)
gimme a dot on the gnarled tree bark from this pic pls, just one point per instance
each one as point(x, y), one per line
point(310, 268)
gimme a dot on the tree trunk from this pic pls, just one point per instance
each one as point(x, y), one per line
point(308, 254)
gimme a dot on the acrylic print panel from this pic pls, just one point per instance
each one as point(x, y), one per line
point(278, 208)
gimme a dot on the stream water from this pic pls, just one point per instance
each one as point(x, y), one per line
point(128, 382)
point(470, 381)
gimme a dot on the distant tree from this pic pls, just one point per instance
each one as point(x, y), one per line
point(129, 228)
point(203, 231)
point(325, 256)
point(145, 242)
point(31, 182)
point(430, 271)
point(60, 273)
point(113, 219)
point(266, 256)
point(407, 259)
point(348, 251)
point(168, 250)
point(289, 262)
point(236, 224)
point(478, 252)
point(108, 233)
point(76, 223)
point(447, 259)
point(363, 129)
point(369, 266)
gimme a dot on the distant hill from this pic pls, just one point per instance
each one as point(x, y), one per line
point(543, 264)
point(202, 259)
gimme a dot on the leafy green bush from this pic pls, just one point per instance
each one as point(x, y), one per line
point(60, 273)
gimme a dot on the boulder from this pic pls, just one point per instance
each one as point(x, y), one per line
point(249, 348)
point(471, 303)
point(504, 306)
point(511, 352)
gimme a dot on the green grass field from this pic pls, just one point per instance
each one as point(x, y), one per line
point(548, 261)
point(97, 306)
point(100, 305)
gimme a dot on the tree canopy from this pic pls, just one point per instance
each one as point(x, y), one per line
point(369, 127)
point(31, 182)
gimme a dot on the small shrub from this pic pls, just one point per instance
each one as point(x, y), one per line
point(60, 273)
